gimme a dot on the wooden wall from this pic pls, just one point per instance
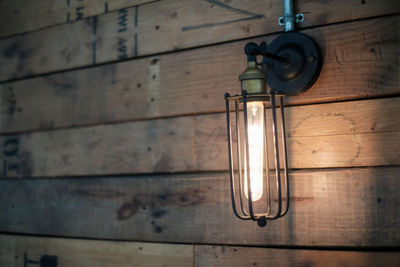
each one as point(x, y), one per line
point(113, 139)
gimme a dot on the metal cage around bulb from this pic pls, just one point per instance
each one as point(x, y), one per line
point(275, 178)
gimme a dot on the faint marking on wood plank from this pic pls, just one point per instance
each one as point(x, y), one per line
point(94, 31)
point(154, 87)
point(250, 16)
point(11, 157)
point(344, 207)
point(190, 82)
point(23, 16)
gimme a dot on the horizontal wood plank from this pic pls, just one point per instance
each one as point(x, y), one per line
point(19, 250)
point(163, 26)
point(23, 16)
point(343, 134)
point(16, 250)
point(361, 61)
point(343, 207)
point(247, 256)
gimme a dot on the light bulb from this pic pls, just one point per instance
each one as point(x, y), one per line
point(255, 130)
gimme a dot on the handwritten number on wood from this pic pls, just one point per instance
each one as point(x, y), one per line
point(79, 12)
point(122, 27)
point(10, 147)
point(122, 20)
point(249, 16)
point(10, 153)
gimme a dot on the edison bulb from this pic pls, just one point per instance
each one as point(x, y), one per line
point(255, 130)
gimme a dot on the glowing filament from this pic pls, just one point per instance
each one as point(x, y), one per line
point(255, 130)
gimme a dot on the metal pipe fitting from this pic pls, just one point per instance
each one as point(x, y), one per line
point(288, 16)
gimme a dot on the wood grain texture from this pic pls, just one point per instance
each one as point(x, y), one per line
point(344, 134)
point(361, 61)
point(15, 250)
point(246, 256)
point(159, 27)
point(343, 207)
point(23, 16)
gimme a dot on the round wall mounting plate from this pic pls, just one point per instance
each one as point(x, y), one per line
point(302, 67)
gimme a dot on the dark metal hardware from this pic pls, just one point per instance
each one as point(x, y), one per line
point(292, 63)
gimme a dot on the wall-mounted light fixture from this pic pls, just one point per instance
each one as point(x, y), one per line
point(292, 63)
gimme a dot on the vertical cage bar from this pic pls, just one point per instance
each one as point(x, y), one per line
point(239, 162)
point(266, 155)
point(276, 150)
point(231, 169)
point(285, 161)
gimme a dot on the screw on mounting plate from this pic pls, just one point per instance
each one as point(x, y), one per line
point(299, 19)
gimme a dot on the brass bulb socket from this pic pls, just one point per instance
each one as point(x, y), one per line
point(253, 79)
